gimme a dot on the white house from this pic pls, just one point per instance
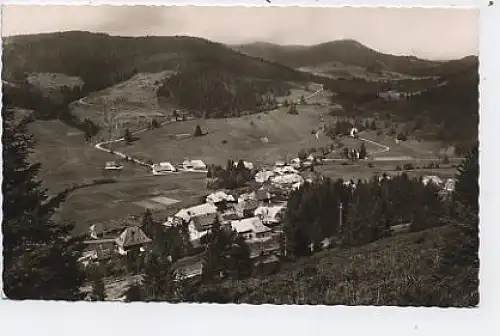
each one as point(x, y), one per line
point(251, 228)
point(219, 196)
point(194, 165)
point(112, 165)
point(432, 179)
point(263, 176)
point(287, 179)
point(163, 168)
point(201, 209)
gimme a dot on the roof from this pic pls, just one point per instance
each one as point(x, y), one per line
point(287, 179)
point(433, 179)
point(194, 163)
point(228, 216)
point(132, 236)
point(263, 176)
point(219, 196)
point(188, 213)
point(285, 170)
point(164, 166)
point(248, 204)
point(205, 221)
point(253, 224)
point(280, 163)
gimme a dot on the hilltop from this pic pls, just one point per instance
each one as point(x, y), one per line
point(101, 60)
point(348, 53)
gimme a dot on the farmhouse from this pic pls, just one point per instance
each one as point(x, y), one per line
point(251, 228)
point(201, 209)
point(246, 208)
point(203, 222)
point(194, 165)
point(219, 197)
point(263, 176)
point(162, 168)
point(131, 239)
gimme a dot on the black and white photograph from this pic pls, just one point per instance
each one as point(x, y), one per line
point(245, 155)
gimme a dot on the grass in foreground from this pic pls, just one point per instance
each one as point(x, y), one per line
point(398, 271)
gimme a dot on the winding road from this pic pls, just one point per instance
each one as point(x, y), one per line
point(101, 145)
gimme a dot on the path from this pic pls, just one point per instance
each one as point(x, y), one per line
point(101, 145)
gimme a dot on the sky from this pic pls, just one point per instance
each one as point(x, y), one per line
point(430, 33)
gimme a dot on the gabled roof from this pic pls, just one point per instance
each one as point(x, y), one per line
point(194, 163)
point(253, 224)
point(187, 214)
point(204, 222)
point(248, 205)
point(220, 196)
point(132, 236)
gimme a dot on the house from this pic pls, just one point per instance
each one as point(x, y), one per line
point(432, 179)
point(285, 170)
point(186, 214)
point(112, 165)
point(248, 165)
point(247, 208)
point(195, 236)
point(449, 185)
point(280, 163)
point(132, 238)
point(97, 250)
point(227, 217)
point(194, 165)
point(203, 222)
point(271, 215)
point(289, 179)
point(263, 176)
point(163, 168)
point(251, 228)
point(219, 197)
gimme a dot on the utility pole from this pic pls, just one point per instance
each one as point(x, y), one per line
point(340, 217)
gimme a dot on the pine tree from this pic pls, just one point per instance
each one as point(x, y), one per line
point(467, 186)
point(158, 278)
point(128, 136)
point(135, 293)
point(362, 151)
point(40, 257)
point(197, 131)
point(98, 288)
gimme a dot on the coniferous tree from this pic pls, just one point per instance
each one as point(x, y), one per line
point(197, 131)
point(467, 186)
point(40, 257)
point(362, 151)
point(98, 289)
point(128, 136)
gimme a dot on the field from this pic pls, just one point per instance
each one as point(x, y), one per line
point(129, 104)
point(261, 138)
point(53, 81)
point(400, 270)
point(67, 161)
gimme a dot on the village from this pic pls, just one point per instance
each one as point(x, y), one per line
point(255, 210)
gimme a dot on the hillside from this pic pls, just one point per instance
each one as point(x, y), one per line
point(101, 60)
point(397, 271)
point(348, 52)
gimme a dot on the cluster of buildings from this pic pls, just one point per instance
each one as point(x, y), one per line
point(187, 165)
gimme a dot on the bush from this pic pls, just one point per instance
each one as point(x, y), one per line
point(224, 142)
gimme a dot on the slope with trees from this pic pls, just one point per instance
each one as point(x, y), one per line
point(40, 257)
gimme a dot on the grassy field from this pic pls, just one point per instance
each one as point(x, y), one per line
point(67, 160)
point(395, 271)
point(261, 138)
point(53, 81)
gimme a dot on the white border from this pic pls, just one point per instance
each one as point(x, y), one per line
point(137, 319)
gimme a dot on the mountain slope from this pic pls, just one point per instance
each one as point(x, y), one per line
point(101, 60)
point(349, 52)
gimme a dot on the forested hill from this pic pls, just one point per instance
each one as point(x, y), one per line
point(348, 52)
point(101, 60)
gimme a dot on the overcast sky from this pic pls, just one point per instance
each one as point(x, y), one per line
point(428, 33)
